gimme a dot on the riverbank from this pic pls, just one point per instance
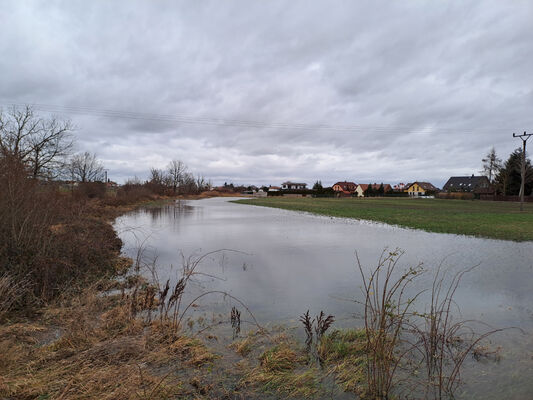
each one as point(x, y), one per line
point(495, 220)
point(98, 339)
point(103, 339)
point(115, 338)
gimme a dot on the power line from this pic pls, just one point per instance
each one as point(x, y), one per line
point(224, 122)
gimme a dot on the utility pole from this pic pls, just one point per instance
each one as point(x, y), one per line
point(525, 136)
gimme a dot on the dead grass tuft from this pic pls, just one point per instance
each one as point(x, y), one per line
point(244, 346)
point(280, 358)
point(102, 353)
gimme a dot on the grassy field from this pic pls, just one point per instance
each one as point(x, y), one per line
point(497, 220)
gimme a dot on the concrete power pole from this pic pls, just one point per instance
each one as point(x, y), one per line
point(525, 136)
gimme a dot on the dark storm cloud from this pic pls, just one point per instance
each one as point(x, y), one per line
point(426, 88)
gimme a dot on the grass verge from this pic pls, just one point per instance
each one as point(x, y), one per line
point(496, 220)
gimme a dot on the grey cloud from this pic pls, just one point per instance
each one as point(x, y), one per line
point(426, 88)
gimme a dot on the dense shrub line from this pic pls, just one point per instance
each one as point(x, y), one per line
point(52, 240)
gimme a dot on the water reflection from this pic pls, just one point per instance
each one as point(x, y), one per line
point(290, 262)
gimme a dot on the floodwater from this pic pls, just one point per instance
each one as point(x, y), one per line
point(282, 263)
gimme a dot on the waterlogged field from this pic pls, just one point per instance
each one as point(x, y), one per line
point(499, 220)
point(282, 263)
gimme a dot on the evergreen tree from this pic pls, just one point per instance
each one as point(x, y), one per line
point(318, 185)
point(509, 176)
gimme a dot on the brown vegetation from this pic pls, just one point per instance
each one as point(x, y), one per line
point(49, 239)
point(91, 346)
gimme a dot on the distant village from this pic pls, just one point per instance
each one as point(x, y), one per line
point(456, 187)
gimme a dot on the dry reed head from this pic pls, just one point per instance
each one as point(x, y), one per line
point(322, 324)
point(307, 322)
point(235, 319)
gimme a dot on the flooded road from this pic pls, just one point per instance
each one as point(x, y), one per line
point(281, 263)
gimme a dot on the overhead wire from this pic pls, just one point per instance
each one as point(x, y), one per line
point(227, 122)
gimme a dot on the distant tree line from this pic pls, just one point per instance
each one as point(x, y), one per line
point(43, 147)
point(175, 179)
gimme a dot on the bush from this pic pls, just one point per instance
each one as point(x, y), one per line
point(396, 194)
point(131, 193)
point(456, 195)
point(49, 240)
point(90, 190)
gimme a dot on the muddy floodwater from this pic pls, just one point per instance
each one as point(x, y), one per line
point(282, 263)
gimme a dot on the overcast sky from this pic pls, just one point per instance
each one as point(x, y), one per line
point(267, 91)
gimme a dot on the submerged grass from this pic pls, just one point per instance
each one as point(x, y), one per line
point(343, 352)
point(284, 367)
point(490, 219)
point(283, 370)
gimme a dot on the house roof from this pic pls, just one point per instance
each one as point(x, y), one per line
point(346, 185)
point(375, 186)
point(466, 183)
point(424, 185)
point(293, 183)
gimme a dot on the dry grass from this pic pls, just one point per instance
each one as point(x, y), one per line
point(244, 346)
point(12, 292)
point(102, 352)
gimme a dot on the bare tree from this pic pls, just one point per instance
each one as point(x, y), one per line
point(188, 183)
point(202, 184)
point(491, 164)
point(157, 176)
point(176, 171)
point(40, 143)
point(85, 167)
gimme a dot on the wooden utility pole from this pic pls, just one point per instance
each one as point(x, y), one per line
point(525, 136)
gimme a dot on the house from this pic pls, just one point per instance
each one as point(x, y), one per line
point(421, 189)
point(346, 188)
point(476, 184)
point(362, 188)
point(293, 186)
point(386, 187)
point(260, 193)
point(273, 188)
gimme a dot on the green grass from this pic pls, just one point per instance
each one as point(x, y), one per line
point(490, 219)
point(343, 352)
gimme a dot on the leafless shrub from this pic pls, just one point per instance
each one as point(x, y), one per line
point(399, 338)
point(444, 343)
point(386, 311)
point(47, 239)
